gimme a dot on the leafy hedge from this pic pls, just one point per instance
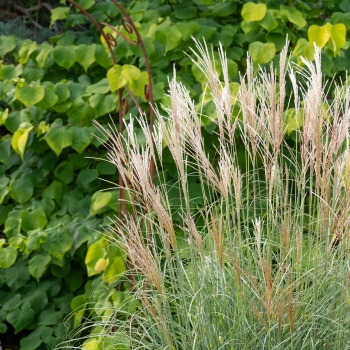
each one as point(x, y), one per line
point(52, 250)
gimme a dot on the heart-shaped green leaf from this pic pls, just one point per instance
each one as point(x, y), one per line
point(253, 12)
point(319, 35)
point(38, 264)
point(262, 52)
point(30, 95)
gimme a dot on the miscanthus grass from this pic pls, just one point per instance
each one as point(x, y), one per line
point(263, 263)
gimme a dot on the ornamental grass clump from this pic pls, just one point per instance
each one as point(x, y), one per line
point(262, 261)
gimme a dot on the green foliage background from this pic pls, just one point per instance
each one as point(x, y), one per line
point(53, 253)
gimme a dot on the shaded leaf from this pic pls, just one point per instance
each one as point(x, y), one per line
point(21, 190)
point(104, 104)
point(82, 138)
point(57, 243)
point(21, 319)
point(38, 264)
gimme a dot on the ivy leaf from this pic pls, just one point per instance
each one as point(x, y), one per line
point(27, 48)
point(21, 319)
point(101, 265)
point(102, 58)
point(44, 53)
point(31, 73)
point(13, 303)
point(17, 275)
point(253, 12)
point(20, 137)
point(102, 87)
point(8, 257)
point(38, 264)
point(58, 138)
point(59, 13)
point(49, 100)
point(344, 5)
point(80, 111)
point(115, 77)
point(82, 138)
point(294, 16)
point(74, 280)
point(304, 49)
point(339, 17)
point(262, 52)
point(30, 95)
point(99, 201)
point(185, 11)
point(8, 72)
point(7, 44)
point(338, 38)
point(62, 91)
point(49, 317)
point(3, 116)
point(12, 226)
point(21, 190)
point(318, 35)
point(65, 172)
point(85, 4)
point(85, 55)
point(74, 19)
point(224, 9)
point(54, 191)
point(33, 220)
point(104, 104)
point(137, 87)
point(169, 36)
point(64, 56)
point(269, 22)
point(187, 30)
point(118, 76)
point(31, 342)
point(115, 269)
point(5, 149)
point(86, 176)
point(232, 68)
point(57, 243)
point(3, 192)
point(292, 121)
